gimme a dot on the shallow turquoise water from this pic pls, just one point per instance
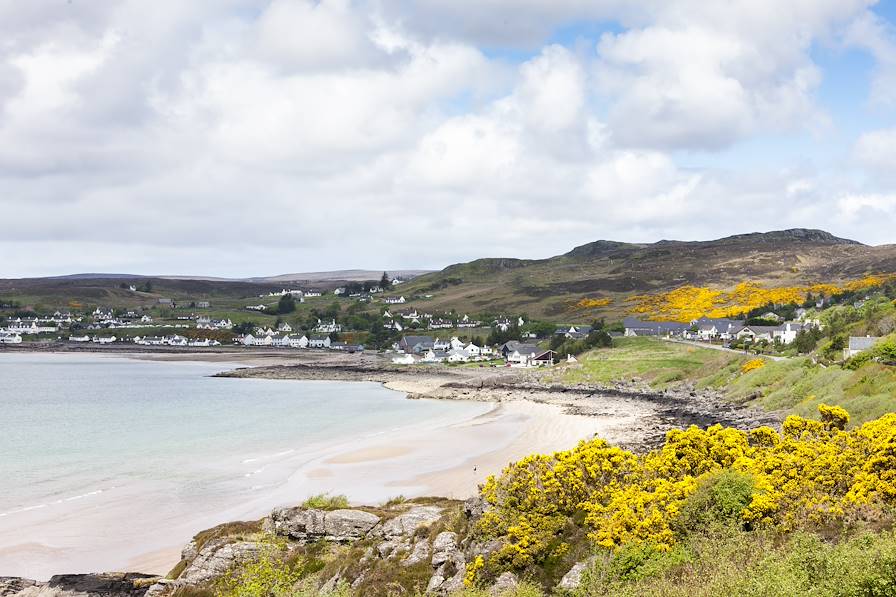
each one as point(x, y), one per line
point(71, 425)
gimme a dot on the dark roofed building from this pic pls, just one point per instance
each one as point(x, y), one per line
point(637, 327)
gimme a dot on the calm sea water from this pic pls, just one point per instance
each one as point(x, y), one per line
point(75, 425)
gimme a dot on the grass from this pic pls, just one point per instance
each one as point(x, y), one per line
point(798, 386)
point(323, 501)
point(791, 386)
point(760, 564)
point(656, 362)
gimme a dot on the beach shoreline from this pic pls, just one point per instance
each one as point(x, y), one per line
point(520, 416)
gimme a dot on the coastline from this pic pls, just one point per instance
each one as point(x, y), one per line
point(520, 415)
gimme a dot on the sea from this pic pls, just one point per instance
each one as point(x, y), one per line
point(101, 453)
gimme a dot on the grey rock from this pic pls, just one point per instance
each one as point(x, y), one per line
point(435, 583)
point(449, 565)
point(475, 507)
point(216, 558)
point(112, 584)
point(339, 526)
point(10, 585)
point(407, 523)
point(505, 582)
point(456, 582)
point(189, 551)
point(573, 579)
point(330, 585)
point(392, 547)
point(419, 553)
point(444, 548)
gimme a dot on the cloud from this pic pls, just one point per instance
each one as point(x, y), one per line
point(237, 138)
point(876, 150)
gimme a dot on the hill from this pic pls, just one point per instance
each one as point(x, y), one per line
point(602, 277)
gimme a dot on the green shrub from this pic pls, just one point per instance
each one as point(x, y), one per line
point(719, 501)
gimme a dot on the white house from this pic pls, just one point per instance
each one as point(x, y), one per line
point(312, 293)
point(296, 342)
point(330, 327)
point(859, 344)
point(787, 332)
point(280, 341)
point(284, 327)
point(455, 344)
point(472, 350)
point(432, 356)
point(248, 340)
point(319, 342)
point(105, 340)
point(466, 322)
point(176, 341)
point(394, 300)
point(457, 356)
point(441, 345)
point(84, 338)
point(10, 338)
point(406, 359)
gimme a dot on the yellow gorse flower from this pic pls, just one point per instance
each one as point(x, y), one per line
point(813, 472)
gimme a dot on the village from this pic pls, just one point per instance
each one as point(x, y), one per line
point(407, 336)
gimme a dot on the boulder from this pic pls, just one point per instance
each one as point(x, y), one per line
point(407, 523)
point(391, 547)
point(216, 558)
point(338, 526)
point(113, 584)
point(444, 548)
point(505, 582)
point(475, 507)
point(573, 579)
point(419, 553)
point(11, 585)
point(448, 563)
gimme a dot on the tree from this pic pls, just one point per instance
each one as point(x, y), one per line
point(385, 282)
point(244, 327)
point(286, 305)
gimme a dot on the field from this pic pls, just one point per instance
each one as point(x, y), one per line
point(654, 361)
point(791, 386)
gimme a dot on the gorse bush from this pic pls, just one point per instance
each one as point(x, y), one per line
point(814, 473)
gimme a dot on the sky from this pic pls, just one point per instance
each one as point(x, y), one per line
point(243, 138)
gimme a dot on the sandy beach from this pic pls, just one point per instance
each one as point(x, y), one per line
point(448, 460)
point(132, 526)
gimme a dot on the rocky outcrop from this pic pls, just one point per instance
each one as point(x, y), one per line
point(448, 563)
point(216, 558)
point(306, 525)
point(406, 524)
point(113, 584)
point(11, 585)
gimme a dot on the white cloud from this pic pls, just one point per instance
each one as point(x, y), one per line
point(876, 150)
point(241, 137)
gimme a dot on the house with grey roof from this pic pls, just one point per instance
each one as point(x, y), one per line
point(636, 327)
point(415, 344)
point(859, 344)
